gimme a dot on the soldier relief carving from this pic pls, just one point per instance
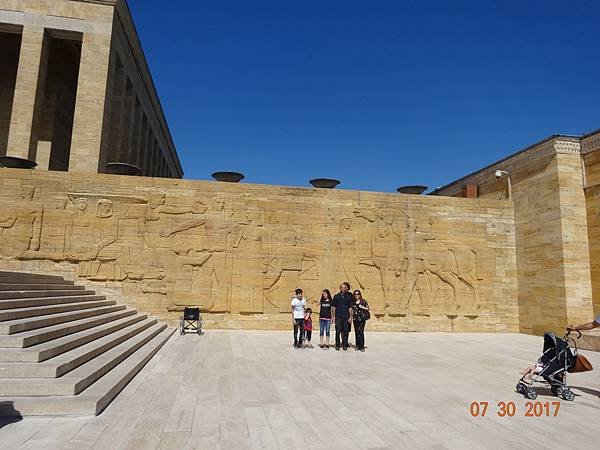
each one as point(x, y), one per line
point(244, 255)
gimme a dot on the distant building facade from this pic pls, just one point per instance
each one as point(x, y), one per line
point(76, 93)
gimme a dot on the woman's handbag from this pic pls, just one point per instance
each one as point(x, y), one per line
point(581, 365)
point(366, 315)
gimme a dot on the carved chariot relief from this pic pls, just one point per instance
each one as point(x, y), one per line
point(240, 254)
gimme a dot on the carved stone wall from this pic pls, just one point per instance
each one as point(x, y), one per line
point(239, 250)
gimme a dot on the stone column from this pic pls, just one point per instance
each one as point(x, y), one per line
point(136, 134)
point(90, 103)
point(148, 153)
point(154, 158)
point(116, 116)
point(127, 124)
point(142, 159)
point(579, 307)
point(158, 169)
point(28, 87)
point(163, 164)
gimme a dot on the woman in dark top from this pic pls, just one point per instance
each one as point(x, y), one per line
point(360, 315)
point(325, 318)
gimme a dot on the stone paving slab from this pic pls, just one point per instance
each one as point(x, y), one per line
point(251, 389)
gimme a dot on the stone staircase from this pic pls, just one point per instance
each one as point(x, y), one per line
point(65, 350)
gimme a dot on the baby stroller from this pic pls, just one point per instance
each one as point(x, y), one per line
point(558, 357)
point(191, 320)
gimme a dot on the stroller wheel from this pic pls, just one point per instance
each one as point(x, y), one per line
point(530, 394)
point(557, 390)
point(521, 388)
point(568, 395)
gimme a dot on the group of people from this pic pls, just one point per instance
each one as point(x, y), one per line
point(344, 310)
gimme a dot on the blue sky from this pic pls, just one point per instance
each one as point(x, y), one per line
point(377, 93)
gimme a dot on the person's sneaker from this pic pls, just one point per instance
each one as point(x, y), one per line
point(337, 348)
point(356, 349)
point(310, 346)
point(345, 349)
point(320, 345)
point(362, 349)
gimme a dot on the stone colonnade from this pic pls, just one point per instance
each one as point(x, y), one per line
point(76, 93)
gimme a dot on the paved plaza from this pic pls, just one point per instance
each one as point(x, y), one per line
point(246, 389)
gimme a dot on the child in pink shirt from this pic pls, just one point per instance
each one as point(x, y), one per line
point(308, 326)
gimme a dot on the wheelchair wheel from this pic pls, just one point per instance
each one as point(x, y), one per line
point(521, 388)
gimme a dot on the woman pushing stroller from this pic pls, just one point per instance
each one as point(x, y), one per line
point(557, 359)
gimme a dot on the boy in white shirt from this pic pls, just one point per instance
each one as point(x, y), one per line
point(298, 305)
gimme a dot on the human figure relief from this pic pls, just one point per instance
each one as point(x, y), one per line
point(22, 229)
point(248, 264)
point(273, 270)
point(220, 228)
point(46, 223)
point(456, 265)
point(387, 255)
point(348, 257)
point(203, 262)
point(163, 228)
point(98, 263)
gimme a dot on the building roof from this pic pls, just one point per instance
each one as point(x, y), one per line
point(506, 158)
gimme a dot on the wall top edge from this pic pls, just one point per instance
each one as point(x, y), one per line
point(255, 190)
point(590, 142)
point(100, 2)
point(552, 145)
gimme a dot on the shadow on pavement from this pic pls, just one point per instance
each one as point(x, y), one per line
point(8, 414)
point(587, 390)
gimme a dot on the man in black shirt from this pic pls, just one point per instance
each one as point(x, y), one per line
point(342, 314)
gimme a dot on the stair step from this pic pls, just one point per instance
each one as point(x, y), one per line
point(40, 275)
point(83, 376)
point(19, 325)
point(43, 301)
point(94, 399)
point(109, 386)
point(36, 311)
point(44, 334)
point(67, 361)
point(52, 348)
point(34, 280)
point(39, 286)
point(12, 295)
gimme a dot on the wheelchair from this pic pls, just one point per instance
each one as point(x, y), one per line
point(191, 320)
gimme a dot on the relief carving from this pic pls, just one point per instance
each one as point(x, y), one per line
point(240, 255)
